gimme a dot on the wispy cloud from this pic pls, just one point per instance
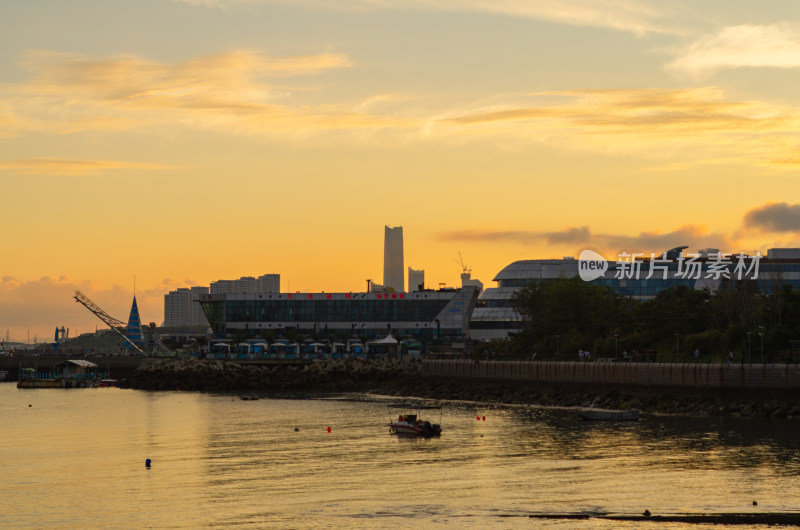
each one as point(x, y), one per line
point(70, 93)
point(702, 122)
point(60, 166)
point(577, 238)
point(234, 93)
point(774, 46)
point(622, 15)
point(637, 110)
point(773, 224)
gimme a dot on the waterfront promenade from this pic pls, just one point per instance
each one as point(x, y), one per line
point(674, 375)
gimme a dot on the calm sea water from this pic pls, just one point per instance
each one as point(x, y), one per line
point(76, 459)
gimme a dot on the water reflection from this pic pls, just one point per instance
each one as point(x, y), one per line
point(220, 461)
point(691, 443)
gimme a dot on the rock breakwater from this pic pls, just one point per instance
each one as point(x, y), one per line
point(332, 375)
point(404, 378)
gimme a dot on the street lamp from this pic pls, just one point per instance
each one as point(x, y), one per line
point(749, 349)
point(616, 350)
point(677, 342)
point(558, 345)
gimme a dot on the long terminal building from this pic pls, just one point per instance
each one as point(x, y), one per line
point(483, 314)
point(426, 314)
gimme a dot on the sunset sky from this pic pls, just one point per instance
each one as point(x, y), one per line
point(182, 142)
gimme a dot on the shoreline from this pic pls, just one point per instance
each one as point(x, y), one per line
point(742, 518)
point(404, 378)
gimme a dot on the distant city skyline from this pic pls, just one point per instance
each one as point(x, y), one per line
point(182, 141)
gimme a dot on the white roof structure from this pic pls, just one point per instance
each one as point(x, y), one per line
point(79, 362)
point(388, 339)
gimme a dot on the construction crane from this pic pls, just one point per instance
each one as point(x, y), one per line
point(110, 321)
point(464, 269)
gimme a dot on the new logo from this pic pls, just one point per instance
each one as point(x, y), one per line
point(591, 265)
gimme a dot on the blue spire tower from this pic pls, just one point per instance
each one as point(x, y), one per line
point(134, 329)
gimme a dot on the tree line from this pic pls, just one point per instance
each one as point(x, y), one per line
point(565, 315)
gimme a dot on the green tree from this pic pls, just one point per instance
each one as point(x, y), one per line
point(581, 314)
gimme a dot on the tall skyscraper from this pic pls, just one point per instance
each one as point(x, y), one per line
point(393, 269)
point(416, 280)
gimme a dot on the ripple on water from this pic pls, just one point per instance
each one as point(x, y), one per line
point(218, 462)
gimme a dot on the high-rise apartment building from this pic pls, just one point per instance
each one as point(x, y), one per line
point(181, 307)
point(416, 280)
point(267, 283)
point(393, 269)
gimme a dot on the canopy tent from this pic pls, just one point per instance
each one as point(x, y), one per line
point(388, 339)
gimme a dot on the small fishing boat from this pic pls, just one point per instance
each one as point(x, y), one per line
point(248, 397)
point(408, 424)
point(609, 415)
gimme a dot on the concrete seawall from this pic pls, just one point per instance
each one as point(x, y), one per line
point(688, 376)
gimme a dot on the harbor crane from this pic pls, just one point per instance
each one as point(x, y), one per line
point(116, 324)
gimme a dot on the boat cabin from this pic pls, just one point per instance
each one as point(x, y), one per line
point(76, 369)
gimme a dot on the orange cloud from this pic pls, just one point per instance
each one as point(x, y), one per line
point(60, 166)
point(687, 124)
point(227, 92)
point(646, 111)
point(233, 93)
point(36, 307)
